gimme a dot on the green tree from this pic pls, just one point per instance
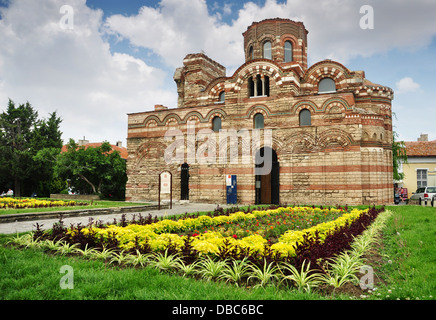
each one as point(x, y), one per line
point(47, 145)
point(97, 170)
point(22, 137)
point(15, 139)
point(399, 155)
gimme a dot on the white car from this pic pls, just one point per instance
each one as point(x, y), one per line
point(423, 194)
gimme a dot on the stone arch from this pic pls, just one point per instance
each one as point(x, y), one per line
point(300, 142)
point(215, 89)
point(217, 112)
point(365, 136)
point(337, 103)
point(193, 116)
point(257, 66)
point(326, 69)
point(306, 104)
point(335, 136)
point(149, 150)
point(152, 118)
point(258, 108)
point(171, 119)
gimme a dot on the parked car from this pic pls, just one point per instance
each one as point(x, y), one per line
point(397, 198)
point(423, 194)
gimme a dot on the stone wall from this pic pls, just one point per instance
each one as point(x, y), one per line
point(343, 157)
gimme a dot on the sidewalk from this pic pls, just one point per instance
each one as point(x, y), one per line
point(24, 226)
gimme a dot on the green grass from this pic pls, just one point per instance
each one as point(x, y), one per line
point(96, 204)
point(408, 268)
point(34, 275)
point(410, 253)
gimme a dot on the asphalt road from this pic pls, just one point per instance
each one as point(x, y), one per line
point(24, 226)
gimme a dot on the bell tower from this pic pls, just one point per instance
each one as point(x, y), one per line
point(281, 40)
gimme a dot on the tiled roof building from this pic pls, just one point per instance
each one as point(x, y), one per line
point(118, 147)
point(420, 169)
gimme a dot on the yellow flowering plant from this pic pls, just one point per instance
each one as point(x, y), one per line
point(240, 230)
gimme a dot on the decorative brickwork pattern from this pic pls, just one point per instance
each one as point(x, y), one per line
point(343, 157)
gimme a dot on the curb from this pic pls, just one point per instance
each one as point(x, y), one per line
point(7, 218)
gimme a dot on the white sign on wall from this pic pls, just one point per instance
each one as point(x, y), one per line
point(165, 183)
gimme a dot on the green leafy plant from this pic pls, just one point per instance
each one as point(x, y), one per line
point(304, 279)
point(51, 245)
point(342, 269)
point(119, 258)
point(104, 254)
point(187, 269)
point(86, 252)
point(66, 248)
point(164, 261)
point(264, 275)
point(138, 259)
point(236, 271)
point(21, 240)
point(210, 269)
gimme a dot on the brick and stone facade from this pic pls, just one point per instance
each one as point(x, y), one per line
point(342, 155)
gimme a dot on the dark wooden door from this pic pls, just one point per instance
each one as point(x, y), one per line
point(275, 183)
point(184, 182)
point(265, 188)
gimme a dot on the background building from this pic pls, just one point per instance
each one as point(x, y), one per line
point(117, 147)
point(331, 127)
point(420, 171)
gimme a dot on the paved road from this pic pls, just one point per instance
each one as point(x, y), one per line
point(24, 226)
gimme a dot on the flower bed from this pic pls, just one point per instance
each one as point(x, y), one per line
point(326, 255)
point(12, 203)
point(280, 233)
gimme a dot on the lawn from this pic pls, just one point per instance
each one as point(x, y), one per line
point(406, 267)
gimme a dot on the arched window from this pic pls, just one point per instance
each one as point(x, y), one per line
point(267, 52)
point(326, 85)
point(216, 124)
point(305, 118)
point(250, 53)
point(222, 97)
point(258, 86)
point(258, 121)
point(288, 51)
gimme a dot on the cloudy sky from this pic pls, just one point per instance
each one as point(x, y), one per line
point(95, 61)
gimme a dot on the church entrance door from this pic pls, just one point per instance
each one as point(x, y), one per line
point(267, 185)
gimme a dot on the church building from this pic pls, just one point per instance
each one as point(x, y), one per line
point(324, 131)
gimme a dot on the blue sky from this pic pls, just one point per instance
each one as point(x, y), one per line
point(120, 56)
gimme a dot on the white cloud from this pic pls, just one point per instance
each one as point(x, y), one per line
point(176, 28)
point(407, 85)
point(73, 71)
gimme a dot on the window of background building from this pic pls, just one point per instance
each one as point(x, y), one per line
point(305, 118)
point(259, 121)
point(421, 178)
point(326, 85)
point(216, 124)
point(267, 52)
point(288, 51)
